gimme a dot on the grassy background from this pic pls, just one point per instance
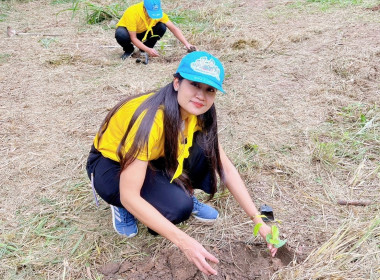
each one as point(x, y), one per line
point(300, 120)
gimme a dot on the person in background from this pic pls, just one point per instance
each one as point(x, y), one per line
point(142, 25)
point(152, 150)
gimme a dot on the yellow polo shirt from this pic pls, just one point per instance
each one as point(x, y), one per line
point(136, 20)
point(119, 122)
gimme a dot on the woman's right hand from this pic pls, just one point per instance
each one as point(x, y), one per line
point(198, 255)
point(264, 231)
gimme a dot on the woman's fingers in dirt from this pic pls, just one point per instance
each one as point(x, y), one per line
point(272, 249)
point(198, 255)
point(211, 257)
point(205, 267)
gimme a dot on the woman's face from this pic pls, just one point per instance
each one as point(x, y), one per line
point(194, 98)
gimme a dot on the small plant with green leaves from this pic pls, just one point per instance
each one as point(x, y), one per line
point(272, 238)
point(162, 47)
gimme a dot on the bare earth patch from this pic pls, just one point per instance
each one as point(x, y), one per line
point(237, 261)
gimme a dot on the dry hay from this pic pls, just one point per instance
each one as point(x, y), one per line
point(291, 121)
point(348, 253)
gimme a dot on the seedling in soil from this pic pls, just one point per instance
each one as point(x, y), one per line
point(271, 238)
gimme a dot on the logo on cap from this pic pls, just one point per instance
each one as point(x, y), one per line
point(155, 7)
point(205, 66)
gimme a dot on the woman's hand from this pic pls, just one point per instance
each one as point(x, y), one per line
point(197, 254)
point(264, 230)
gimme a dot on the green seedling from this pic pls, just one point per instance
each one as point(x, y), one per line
point(271, 238)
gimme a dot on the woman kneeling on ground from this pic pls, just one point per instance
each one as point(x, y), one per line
point(152, 150)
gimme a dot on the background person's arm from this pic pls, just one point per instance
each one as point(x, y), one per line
point(178, 34)
point(131, 181)
point(150, 51)
point(238, 189)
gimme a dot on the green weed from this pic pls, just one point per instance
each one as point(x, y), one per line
point(324, 153)
point(95, 13)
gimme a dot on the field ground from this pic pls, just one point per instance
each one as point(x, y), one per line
point(301, 121)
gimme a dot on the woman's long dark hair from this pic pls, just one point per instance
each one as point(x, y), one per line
point(166, 99)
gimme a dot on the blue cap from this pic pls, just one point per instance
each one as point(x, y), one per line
point(202, 67)
point(153, 7)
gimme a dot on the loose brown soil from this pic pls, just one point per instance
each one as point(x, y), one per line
point(238, 261)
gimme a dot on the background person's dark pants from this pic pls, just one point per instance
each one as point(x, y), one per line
point(169, 199)
point(124, 40)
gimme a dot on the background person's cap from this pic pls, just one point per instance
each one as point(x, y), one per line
point(153, 7)
point(202, 67)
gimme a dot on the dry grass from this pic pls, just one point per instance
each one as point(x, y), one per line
point(302, 89)
point(352, 250)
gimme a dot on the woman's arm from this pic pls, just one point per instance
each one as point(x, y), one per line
point(178, 34)
point(238, 189)
point(131, 181)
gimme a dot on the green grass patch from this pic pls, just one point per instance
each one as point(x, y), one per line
point(313, 6)
point(4, 8)
point(4, 57)
point(3, 17)
point(95, 13)
point(337, 2)
point(45, 42)
point(57, 2)
point(325, 5)
point(248, 158)
point(349, 137)
point(194, 20)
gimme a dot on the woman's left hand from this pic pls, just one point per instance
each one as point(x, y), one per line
point(264, 230)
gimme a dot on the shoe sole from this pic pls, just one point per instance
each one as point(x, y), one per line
point(206, 220)
point(114, 226)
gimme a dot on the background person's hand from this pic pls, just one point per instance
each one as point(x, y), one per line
point(198, 255)
point(264, 230)
point(191, 48)
point(153, 53)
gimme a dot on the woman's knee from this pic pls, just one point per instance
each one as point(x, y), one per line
point(181, 209)
point(106, 178)
point(171, 200)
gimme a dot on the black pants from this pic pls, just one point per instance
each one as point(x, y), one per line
point(124, 40)
point(171, 200)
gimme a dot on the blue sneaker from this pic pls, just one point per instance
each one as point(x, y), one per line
point(123, 222)
point(204, 212)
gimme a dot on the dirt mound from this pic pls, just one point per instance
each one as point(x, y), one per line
point(238, 261)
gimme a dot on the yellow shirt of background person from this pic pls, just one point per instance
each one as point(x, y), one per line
point(135, 19)
point(118, 124)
